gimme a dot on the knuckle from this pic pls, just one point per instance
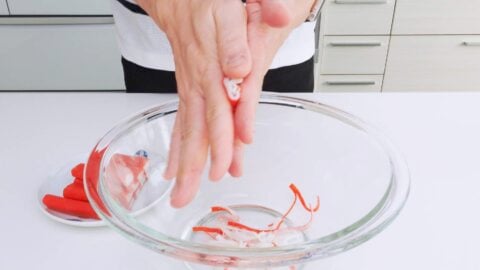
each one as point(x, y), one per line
point(213, 113)
point(187, 134)
point(195, 170)
point(236, 59)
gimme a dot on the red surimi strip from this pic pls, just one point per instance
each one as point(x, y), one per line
point(241, 226)
point(207, 229)
point(233, 90)
point(236, 225)
point(125, 176)
point(75, 191)
point(77, 171)
point(302, 200)
point(68, 206)
point(78, 181)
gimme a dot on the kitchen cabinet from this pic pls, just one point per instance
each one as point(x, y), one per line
point(59, 57)
point(354, 54)
point(433, 45)
point(59, 7)
point(3, 7)
point(437, 17)
point(357, 17)
point(354, 40)
point(433, 63)
point(350, 83)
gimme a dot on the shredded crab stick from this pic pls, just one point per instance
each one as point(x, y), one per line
point(286, 213)
point(303, 227)
point(233, 89)
point(125, 176)
point(231, 230)
point(207, 229)
point(302, 200)
point(221, 208)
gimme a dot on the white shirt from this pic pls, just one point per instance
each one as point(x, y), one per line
point(142, 42)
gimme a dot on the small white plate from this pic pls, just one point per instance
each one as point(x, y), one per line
point(58, 180)
point(54, 184)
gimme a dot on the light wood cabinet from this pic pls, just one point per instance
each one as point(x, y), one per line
point(357, 17)
point(59, 57)
point(433, 63)
point(350, 83)
point(60, 7)
point(434, 45)
point(428, 17)
point(354, 54)
point(3, 7)
point(354, 41)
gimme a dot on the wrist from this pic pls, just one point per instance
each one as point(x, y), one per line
point(156, 10)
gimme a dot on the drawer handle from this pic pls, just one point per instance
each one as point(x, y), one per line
point(471, 43)
point(356, 44)
point(350, 82)
point(360, 2)
point(56, 20)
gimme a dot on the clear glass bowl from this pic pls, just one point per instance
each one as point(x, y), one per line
point(360, 178)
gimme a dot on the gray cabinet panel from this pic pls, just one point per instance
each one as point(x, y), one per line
point(3, 7)
point(59, 57)
point(433, 63)
point(62, 7)
point(354, 55)
point(355, 17)
point(437, 17)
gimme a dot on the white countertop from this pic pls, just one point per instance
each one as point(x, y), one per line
point(439, 135)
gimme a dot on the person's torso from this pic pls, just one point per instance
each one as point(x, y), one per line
point(142, 42)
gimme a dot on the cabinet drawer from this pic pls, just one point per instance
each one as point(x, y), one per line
point(357, 17)
point(59, 7)
point(437, 17)
point(354, 54)
point(3, 7)
point(433, 63)
point(59, 57)
point(349, 83)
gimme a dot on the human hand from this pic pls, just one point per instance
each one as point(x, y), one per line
point(269, 24)
point(209, 42)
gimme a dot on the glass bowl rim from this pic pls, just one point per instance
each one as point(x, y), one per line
point(377, 219)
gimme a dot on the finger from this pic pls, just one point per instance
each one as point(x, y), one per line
point(220, 124)
point(236, 167)
point(232, 42)
point(175, 143)
point(193, 151)
point(274, 13)
point(246, 107)
point(174, 152)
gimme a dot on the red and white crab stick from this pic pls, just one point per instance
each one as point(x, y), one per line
point(232, 86)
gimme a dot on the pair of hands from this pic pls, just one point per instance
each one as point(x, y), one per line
point(213, 40)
